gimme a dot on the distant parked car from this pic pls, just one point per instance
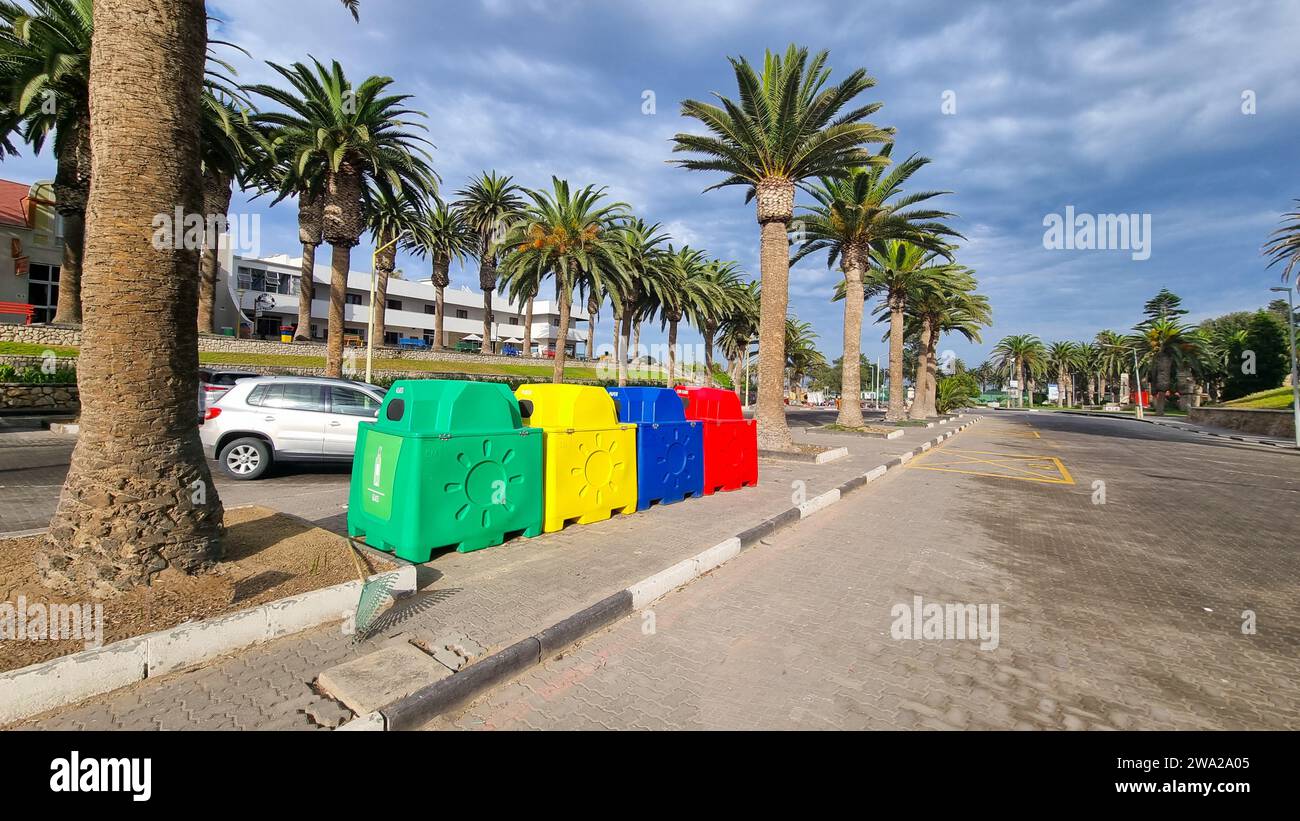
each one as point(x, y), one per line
point(213, 385)
point(287, 419)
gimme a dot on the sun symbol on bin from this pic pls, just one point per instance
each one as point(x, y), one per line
point(485, 477)
point(600, 464)
point(674, 456)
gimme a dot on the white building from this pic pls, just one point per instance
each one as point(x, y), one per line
point(266, 291)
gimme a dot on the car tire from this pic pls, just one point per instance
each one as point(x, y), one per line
point(247, 458)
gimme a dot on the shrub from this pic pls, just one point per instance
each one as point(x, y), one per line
point(33, 375)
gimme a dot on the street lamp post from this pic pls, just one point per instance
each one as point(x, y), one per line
point(1295, 375)
point(370, 320)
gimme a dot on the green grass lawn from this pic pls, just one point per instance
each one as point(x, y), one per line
point(1276, 399)
point(32, 349)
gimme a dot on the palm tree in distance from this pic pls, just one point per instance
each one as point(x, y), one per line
point(357, 133)
point(395, 219)
point(789, 125)
point(644, 250)
point(851, 213)
point(1284, 244)
point(446, 237)
point(574, 238)
point(490, 203)
point(726, 289)
point(1019, 357)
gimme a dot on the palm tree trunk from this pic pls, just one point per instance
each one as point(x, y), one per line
point(708, 357)
point(1020, 385)
point(672, 352)
point(486, 347)
point(593, 311)
point(623, 352)
point(385, 264)
point(311, 216)
point(216, 202)
point(306, 291)
point(636, 340)
point(561, 346)
point(71, 189)
point(439, 310)
point(918, 410)
point(775, 208)
point(850, 415)
point(138, 497)
point(897, 411)
point(932, 374)
point(528, 327)
point(340, 260)
point(68, 311)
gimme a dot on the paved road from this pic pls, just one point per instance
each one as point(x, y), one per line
point(1126, 610)
point(34, 462)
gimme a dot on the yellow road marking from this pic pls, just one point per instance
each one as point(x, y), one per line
point(1044, 469)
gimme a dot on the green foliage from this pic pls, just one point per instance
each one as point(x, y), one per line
point(1276, 399)
point(34, 375)
point(956, 391)
point(1266, 337)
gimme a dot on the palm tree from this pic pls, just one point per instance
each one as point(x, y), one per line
point(574, 238)
point(232, 151)
point(898, 270)
point(1112, 360)
point(737, 332)
point(489, 204)
point(281, 173)
point(1163, 344)
point(1062, 359)
point(45, 73)
point(647, 263)
point(356, 133)
point(395, 219)
point(943, 303)
point(690, 293)
point(447, 237)
point(726, 290)
point(851, 213)
point(1020, 356)
point(801, 354)
point(789, 126)
point(138, 497)
point(1284, 244)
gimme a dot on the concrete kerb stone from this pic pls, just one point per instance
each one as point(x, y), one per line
point(66, 680)
point(427, 703)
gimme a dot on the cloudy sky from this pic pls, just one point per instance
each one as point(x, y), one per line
point(1107, 106)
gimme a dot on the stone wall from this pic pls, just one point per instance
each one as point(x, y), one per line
point(40, 335)
point(39, 397)
point(1257, 421)
point(69, 337)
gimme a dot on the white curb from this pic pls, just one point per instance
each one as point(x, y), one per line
point(817, 503)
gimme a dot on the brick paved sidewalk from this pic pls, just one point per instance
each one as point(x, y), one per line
point(493, 597)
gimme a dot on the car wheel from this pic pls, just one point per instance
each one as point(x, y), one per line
point(246, 458)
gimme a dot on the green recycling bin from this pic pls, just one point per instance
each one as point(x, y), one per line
point(446, 464)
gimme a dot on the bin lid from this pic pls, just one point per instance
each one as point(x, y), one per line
point(710, 403)
point(437, 406)
point(561, 407)
point(647, 405)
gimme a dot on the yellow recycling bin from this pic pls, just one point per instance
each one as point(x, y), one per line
point(590, 457)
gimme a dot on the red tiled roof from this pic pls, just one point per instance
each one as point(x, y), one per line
point(13, 203)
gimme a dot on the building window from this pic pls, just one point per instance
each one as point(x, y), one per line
point(43, 290)
point(431, 309)
point(352, 299)
point(267, 282)
point(391, 337)
point(394, 304)
point(462, 314)
point(514, 320)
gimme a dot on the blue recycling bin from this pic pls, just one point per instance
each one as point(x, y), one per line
point(669, 447)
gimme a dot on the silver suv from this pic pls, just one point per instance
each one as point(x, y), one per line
point(285, 419)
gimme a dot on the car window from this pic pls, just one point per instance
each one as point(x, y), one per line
point(353, 403)
point(257, 394)
point(294, 397)
point(228, 378)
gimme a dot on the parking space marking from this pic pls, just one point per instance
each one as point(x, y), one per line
point(1044, 469)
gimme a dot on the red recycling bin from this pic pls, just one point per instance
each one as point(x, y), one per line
point(730, 440)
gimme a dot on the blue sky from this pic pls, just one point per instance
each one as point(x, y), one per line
point(1108, 106)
